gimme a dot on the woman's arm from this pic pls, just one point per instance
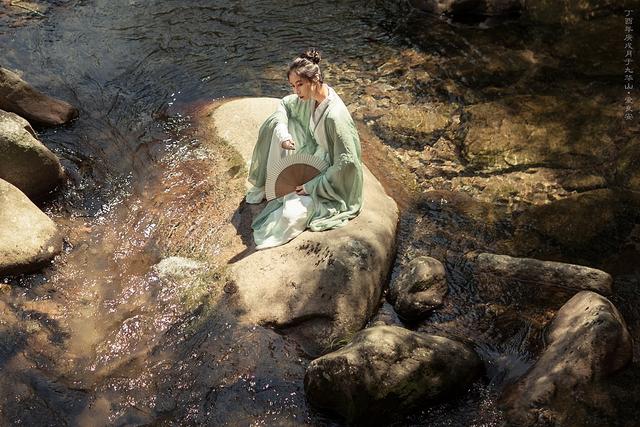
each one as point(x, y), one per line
point(282, 128)
point(258, 166)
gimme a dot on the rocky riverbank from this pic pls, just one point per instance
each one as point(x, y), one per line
point(530, 290)
point(28, 170)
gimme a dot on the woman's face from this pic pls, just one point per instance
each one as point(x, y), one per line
point(301, 86)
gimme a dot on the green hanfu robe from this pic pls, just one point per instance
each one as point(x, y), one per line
point(335, 195)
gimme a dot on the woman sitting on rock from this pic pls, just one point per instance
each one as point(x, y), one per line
point(312, 121)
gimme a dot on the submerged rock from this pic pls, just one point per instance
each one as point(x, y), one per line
point(544, 273)
point(179, 268)
point(24, 161)
point(28, 238)
point(588, 341)
point(579, 222)
point(419, 289)
point(321, 287)
point(386, 369)
point(19, 97)
point(526, 131)
point(414, 125)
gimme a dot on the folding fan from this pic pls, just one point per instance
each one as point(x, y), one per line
point(285, 174)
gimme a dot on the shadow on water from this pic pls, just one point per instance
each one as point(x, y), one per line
point(241, 220)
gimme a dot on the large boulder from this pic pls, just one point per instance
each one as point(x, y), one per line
point(24, 161)
point(28, 238)
point(386, 369)
point(19, 97)
point(587, 340)
point(321, 287)
point(419, 288)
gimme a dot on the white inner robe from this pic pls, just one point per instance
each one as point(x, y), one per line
point(291, 219)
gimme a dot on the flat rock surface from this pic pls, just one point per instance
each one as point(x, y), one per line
point(320, 287)
point(28, 238)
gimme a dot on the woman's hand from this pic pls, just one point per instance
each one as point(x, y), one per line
point(300, 191)
point(289, 144)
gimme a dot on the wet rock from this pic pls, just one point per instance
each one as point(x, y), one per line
point(387, 369)
point(535, 186)
point(25, 7)
point(498, 67)
point(499, 140)
point(24, 161)
point(321, 287)
point(28, 238)
point(588, 341)
point(544, 273)
point(224, 375)
point(581, 182)
point(416, 119)
point(401, 65)
point(19, 97)
point(419, 289)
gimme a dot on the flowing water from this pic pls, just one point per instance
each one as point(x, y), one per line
point(101, 337)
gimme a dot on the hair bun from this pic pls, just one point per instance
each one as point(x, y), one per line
point(312, 55)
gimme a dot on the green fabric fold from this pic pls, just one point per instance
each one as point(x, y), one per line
point(336, 192)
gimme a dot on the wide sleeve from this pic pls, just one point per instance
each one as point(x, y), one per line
point(258, 167)
point(282, 126)
point(337, 192)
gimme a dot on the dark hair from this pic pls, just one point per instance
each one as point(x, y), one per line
point(306, 66)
